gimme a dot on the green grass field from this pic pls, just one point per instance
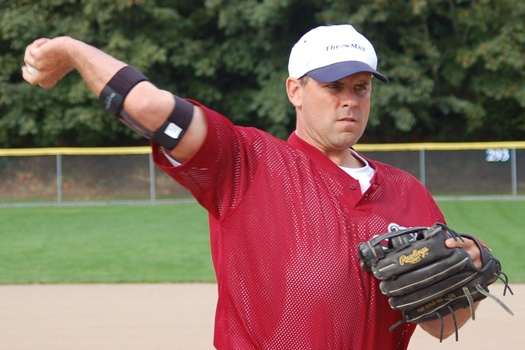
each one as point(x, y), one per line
point(169, 243)
point(110, 244)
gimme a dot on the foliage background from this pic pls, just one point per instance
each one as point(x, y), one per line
point(455, 66)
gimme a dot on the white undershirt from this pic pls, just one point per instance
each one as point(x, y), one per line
point(363, 174)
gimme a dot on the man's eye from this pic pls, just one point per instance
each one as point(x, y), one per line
point(361, 89)
point(333, 86)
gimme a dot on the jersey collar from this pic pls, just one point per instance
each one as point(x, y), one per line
point(319, 158)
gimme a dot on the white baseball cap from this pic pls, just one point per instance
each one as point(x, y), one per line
point(332, 52)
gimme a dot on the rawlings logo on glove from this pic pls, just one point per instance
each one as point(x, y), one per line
point(414, 258)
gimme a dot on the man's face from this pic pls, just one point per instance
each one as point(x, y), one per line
point(332, 116)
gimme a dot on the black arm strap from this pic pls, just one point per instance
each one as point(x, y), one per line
point(174, 128)
point(114, 93)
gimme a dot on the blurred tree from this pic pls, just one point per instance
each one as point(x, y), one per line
point(456, 66)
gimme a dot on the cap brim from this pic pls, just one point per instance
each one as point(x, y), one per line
point(341, 70)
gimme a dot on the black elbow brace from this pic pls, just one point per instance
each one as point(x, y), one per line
point(112, 100)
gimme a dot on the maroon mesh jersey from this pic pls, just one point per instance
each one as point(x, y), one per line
point(285, 223)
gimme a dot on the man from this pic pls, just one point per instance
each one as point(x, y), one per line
point(285, 217)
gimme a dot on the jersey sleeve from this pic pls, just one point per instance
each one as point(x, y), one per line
point(220, 172)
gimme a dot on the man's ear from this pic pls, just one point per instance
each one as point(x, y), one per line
point(293, 89)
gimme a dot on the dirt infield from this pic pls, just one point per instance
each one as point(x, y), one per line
point(180, 316)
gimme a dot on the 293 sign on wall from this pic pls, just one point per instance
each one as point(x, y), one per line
point(497, 155)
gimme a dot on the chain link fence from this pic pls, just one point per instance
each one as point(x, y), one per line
point(128, 176)
point(85, 177)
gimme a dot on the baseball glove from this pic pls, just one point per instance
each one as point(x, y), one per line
point(426, 280)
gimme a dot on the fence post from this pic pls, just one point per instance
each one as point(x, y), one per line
point(59, 178)
point(422, 170)
point(514, 171)
point(152, 179)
